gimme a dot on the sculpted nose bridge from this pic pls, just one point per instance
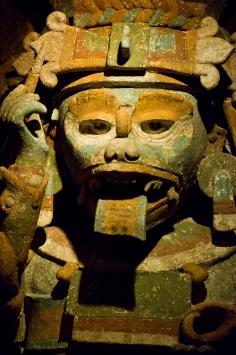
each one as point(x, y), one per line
point(121, 149)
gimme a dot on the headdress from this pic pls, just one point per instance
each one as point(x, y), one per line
point(164, 37)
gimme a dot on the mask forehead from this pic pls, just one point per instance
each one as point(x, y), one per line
point(131, 95)
point(161, 104)
point(95, 100)
point(110, 100)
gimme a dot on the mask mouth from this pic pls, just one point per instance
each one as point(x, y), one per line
point(125, 181)
point(123, 169)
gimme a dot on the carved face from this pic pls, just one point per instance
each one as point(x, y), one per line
point(121, 144)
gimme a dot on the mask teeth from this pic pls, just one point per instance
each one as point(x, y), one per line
point(172, 195)
point(121, 180)
point(153, 185)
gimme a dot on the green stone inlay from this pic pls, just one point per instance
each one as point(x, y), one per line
point(131, 15)
point(163, 295)
point(179, 22)
point(222, 187)
point(95, 42)
point(105, 16)
point(82, 20)
point(162, 42)
point(155, 19)
point(184, 229)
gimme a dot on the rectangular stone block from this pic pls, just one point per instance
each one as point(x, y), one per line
point(149, 310)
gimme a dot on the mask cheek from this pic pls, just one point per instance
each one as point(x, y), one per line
point(164, 150)
point(81, 153)
point(83, 150)
point(91, 154)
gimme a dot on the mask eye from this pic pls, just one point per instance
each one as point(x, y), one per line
point(94, 127)
point(156, 126)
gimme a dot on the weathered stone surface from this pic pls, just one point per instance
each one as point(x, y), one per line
point(45, 319)
point(38, 278)
point(177, 13)
point(129, 145)
point(148, 312)
point(188, 243)
point(58, 246)
point(221, 281)
point(65, 48)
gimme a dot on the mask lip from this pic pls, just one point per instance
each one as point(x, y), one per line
point(128, 168)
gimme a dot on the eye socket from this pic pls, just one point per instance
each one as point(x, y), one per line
point(156, 126)
point(94, 127)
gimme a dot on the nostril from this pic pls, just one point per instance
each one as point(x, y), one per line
point(111, 157)
point(131, 157)
point(121, 149)
point(131, 152)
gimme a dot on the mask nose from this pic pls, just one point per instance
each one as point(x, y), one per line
point(121, 149)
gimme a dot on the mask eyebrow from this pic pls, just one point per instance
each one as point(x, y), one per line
point(163, 105)
point(94, 100)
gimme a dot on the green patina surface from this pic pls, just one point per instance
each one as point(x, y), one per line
point(212, 165)
point(139, 36)
point(43, 302)
point(180, 144)
point(221, 281)
point(179, 22)
point(162, 43)
point(82, 20)
point(154, 20)
point(222, 187)
point(162, 295)
point(55, 182)
point(46, 323)
point(106, 15)
point(131, 15)
point(186, 228)
point(95, 42)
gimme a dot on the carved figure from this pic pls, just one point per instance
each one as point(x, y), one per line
point(99, 232)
